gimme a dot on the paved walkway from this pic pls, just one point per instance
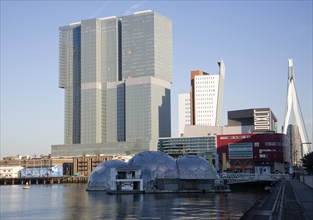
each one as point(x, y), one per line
point(304, 195)
point(288, 200)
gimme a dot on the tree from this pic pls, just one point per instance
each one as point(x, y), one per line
point(308, 162)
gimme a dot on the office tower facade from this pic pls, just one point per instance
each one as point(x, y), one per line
point(184, 112)
point(116, 73)
point(296, 150)
point(206, 97)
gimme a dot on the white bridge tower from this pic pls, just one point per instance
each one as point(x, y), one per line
point(294, 104)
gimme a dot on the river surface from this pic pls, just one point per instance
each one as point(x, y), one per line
point(72, 201)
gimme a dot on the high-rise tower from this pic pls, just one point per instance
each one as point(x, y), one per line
point(116, 73)
point(206, 97)
point(183, 112)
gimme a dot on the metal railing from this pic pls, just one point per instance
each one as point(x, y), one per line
point(251, 177)
point(211, 176)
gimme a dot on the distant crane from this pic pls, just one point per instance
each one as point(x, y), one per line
point(292, 103)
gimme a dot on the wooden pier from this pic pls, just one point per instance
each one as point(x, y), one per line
point(44, 180)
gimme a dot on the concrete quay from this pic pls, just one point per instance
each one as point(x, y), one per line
point(288, 200)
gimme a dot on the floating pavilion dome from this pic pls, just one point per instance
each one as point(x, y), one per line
point(154, 164)
point(100, 178)
point(195, 167)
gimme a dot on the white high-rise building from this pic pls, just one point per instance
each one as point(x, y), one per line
point(205, 99)
point(207, 96)
point(184, 112)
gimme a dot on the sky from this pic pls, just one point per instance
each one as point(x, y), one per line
point(254, 38)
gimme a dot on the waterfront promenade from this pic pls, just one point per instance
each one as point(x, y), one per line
point(304, 195)
point(288, 200)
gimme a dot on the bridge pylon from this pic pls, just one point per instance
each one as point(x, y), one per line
point(293, 104)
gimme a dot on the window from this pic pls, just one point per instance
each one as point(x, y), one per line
point(240, 151)
point(263, 155)
point(266, 150)
point(256, 144)
point(272, 144)
point(234, 137)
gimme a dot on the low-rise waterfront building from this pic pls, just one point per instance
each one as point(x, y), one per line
point(249, 143)
point(85, 164)
point(179, 147)
point(81, 165)
point(10, 171)
point(250, 152)
point(38, 166)
point(41, 171)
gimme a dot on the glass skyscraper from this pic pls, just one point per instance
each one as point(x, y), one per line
point(116, 73)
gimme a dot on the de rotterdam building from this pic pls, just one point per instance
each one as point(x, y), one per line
point(116, 73)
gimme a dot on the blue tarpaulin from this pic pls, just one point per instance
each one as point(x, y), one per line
point(39, 171)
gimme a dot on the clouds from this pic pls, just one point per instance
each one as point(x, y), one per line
point(129, 11)
point(93, 15)
point(133, 7)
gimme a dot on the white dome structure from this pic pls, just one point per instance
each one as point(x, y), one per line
point(144, 168)
point(195, 167)
point(100, 178)
point(154, 164)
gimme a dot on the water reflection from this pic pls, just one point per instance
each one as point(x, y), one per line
point(74, 202)
point(170, 206)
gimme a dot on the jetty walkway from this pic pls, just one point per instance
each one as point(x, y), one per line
point(43, 180)
point(288, 200)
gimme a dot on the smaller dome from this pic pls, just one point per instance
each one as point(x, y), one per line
point(195, 167)
point(154, 164)
point(100, 178)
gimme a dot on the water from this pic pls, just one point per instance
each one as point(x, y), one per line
point(72, 201)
